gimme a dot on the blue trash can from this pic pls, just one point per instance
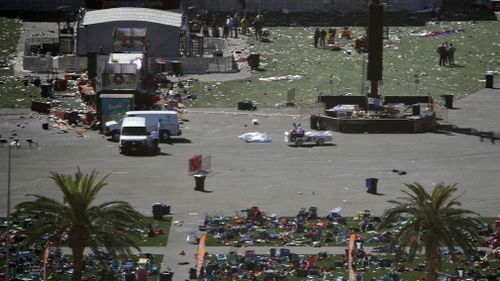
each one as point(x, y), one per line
point(284, 252)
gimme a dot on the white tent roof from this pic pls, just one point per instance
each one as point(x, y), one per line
point(132, 14)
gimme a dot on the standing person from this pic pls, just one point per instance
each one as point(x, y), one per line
point(322, 36)
point(244, 25)
point(317, 34)
point(441, 50)
point(205, 30)
point(215, 31)
point(213, 24)
point(258, 24)
point(155, 135)
point(293, 132)
point(451, 55)
point(237, 20)
point(225, 30)
point(230, 25)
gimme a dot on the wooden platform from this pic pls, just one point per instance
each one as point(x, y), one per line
point(410, 124)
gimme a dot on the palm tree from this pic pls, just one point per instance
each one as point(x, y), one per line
point(432, 220)
point(79, 222)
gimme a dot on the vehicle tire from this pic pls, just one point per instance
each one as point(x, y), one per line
point(115, 136)
point(299, 142)
point(320, 142)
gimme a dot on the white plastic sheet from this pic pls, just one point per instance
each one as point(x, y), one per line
point(255, 137)
point(278, 78)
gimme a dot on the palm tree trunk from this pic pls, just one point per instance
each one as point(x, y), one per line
point(78, 262)
point(431, 254)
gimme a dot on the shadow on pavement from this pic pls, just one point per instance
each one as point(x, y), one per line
point(488, 135)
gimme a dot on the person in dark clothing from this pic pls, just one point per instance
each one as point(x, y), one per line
point(215, 31)
point(451, 55)
point(317, 35)
point(205, 30)
point(322, 37)
point(225, 31)
point(441, 50)
point(258, 25)
point(237, 20)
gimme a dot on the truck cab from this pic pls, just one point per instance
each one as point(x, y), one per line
point(134, 136)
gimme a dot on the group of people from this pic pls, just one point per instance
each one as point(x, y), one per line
point(231, 27)
point(323, 37)
point(446, 54)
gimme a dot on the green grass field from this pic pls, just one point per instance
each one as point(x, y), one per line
point(410, 66)
point(13, 93)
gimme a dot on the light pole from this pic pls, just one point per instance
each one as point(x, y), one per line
point(14, 142)
point(7, 243)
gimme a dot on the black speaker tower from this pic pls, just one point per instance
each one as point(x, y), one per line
point(375, 45)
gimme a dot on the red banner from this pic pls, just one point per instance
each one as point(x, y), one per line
point(195, 164)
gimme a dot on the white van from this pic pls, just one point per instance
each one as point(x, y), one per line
point(168, 122)
point(134, 136)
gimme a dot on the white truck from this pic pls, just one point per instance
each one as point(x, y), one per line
point(167, 120)
point(317, 138)
point(134, 136)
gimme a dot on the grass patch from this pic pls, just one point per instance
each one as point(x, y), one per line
point(410, 66)
point(13, 92)
point(9, 35)
point(157, 240)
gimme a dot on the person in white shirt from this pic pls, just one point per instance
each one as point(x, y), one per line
point(155, 134)
point(300, 131)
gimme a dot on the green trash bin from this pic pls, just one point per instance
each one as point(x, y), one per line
point(199, 182)
point(448, 101)
point(371, 185)
point(489, 79)
point(166, 276)
point(157, 211)
point(177, 67)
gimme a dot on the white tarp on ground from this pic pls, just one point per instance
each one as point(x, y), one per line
point(255, 137)
point(278, 78)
